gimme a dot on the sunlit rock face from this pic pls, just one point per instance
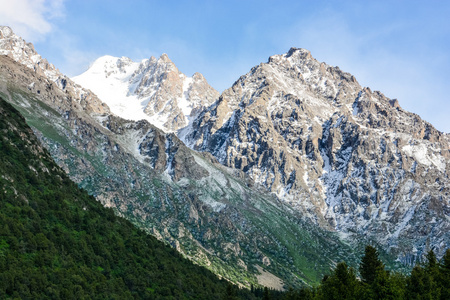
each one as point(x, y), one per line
point(351, 159)
point(215, 215)
point(153, 89)
point(293, 152)
point(24, 53)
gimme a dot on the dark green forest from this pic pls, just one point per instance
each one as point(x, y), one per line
point(58, 242)
point(429, 280)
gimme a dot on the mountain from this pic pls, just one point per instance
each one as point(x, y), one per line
point(351, 159)
point(58, 242)
point(214, 215)
point(16, 48)
point(153, 90)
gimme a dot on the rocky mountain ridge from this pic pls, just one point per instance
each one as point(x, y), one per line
point(18, 49)
point(332, 152)
point(212, 214)
point(351, 159)
point(58, 242)
point(153, 89)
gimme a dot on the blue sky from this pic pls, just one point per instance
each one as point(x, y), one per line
point(401, 48)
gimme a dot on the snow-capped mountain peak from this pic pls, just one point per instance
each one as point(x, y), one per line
point(109, 65)
point(153, 89)
point(350, 159)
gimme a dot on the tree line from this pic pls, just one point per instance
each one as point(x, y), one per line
point(58, 242)
point(429, 280)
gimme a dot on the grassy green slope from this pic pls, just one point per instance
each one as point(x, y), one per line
point(299, 251)
point(254, 230)
point(56, 241)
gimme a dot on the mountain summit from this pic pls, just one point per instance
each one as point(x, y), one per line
point(153, 89)
point(24, 53)
point(311, 158)
point(351, 159)
point(214, 215)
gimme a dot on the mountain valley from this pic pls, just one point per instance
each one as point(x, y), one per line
point(294, 168)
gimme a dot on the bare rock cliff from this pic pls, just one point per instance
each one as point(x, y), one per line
point(353, 160)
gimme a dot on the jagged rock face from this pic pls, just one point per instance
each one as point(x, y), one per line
point(270, 121)
point(350, 158)
point(24, 53)
point(212, 214)
point(153, 89)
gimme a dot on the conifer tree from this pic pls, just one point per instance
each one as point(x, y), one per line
point(342, 284)
point(386, 286)
point(431, 265)
point(229, 295)
point(290, 294)
point(305, 294)
point(417, 285)
point(266, 294)
point(370, 264)
point(432, 271)
point(444, 275)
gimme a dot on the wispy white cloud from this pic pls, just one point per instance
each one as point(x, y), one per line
point(31, 19)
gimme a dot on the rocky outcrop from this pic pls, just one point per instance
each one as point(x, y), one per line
point(24, 53)
point(353, 160)
point(153, 89)
point(336, 154)
point(213, 215)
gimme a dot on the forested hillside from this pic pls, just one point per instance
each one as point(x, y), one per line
point(58, 242)
point(428, 280)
